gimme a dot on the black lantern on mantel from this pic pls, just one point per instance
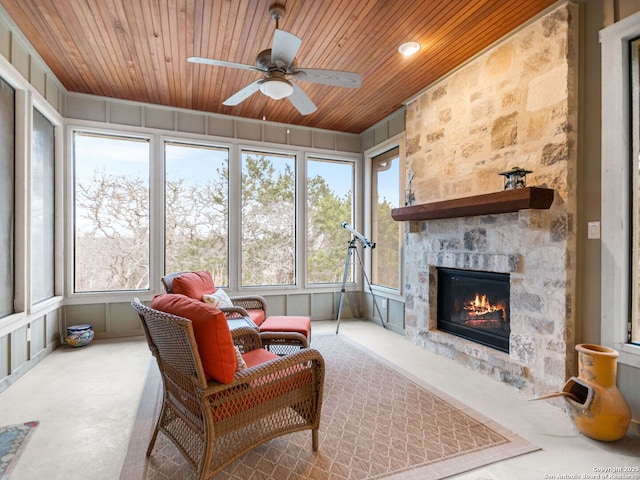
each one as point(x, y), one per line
point(515, 178)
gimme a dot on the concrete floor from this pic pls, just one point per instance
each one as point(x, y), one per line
point(86, 401)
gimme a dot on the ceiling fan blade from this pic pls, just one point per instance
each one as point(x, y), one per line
point(336, 78)
point(242, 94)
point(284, 48)
point(223, 63)
point(301, 101)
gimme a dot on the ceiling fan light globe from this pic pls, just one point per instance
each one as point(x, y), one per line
point(276, 88)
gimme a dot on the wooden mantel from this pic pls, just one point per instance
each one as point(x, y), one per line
point(487, 204)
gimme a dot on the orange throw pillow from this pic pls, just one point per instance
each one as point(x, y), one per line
point(210, 327)
point(193, 284)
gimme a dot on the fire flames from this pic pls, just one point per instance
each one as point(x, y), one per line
point(480, 306)
point(480, 313)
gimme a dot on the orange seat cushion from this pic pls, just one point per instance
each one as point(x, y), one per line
point(287, 324)
point(258, 356)
point(256, 315)
point(238, 399)
point(193, 284)
point(211, 331)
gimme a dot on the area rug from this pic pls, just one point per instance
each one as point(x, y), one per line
point(13, 439)
point(377, 422)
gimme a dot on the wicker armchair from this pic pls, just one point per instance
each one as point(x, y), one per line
point(213, 424)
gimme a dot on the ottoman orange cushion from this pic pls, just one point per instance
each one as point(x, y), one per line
point(287, 323)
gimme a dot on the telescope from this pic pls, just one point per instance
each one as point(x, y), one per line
point(347, 263)
point(364, 240)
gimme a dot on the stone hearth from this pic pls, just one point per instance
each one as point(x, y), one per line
point(513, 105)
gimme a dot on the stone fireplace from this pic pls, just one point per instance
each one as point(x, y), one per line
point(513, 105)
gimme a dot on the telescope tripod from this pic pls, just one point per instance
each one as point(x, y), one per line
point(352, 247)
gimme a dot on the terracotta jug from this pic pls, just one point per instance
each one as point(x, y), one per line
point(596, 406)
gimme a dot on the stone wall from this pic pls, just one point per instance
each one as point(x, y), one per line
point(514, 105)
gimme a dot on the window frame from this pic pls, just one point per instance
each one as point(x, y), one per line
point(55, 264)
point(369, 155)
point(297, 215)
point(111, 295)
point(616, 149)
point(25, 105)
point(374, 171)
point(26, 101)
point(10, 216)
point(303, 208)
point(231, 204)
point(157, 176)
point(634, 193)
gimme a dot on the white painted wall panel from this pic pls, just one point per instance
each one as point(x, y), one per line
point(191, 122)
point(85, 107)
point(159, 118)
point(125, 114)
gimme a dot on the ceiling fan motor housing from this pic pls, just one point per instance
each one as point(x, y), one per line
point(263, 61)
point(277, 12)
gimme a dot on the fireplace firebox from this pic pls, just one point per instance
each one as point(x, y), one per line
point(474, 305)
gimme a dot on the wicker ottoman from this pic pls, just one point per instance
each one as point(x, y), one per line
point(285, 334)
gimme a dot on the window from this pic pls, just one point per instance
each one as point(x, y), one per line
point(197, 210)
point(619, 243)
point(268, 212)
point(385, 232)
point(7, 205)
point(329, 203)
point(634, 169)
point(111, 212)
point(42, 209)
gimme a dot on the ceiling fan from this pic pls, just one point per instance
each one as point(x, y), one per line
point(278, 66)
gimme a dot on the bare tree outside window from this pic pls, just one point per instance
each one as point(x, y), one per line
point(111, 215)
point(197, 210)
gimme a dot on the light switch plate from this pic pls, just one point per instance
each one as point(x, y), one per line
point(593, 230)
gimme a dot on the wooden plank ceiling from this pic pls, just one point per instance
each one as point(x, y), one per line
point(138, 49)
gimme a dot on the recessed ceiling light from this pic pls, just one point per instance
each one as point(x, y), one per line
point(409, 48)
